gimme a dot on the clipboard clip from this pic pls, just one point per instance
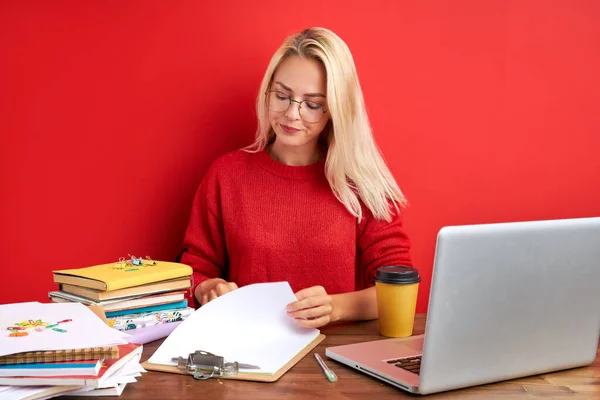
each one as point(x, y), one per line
point(204, 365)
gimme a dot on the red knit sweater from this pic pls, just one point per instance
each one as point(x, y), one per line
point(255, 220)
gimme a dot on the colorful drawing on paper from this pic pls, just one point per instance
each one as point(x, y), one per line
point(24, 328)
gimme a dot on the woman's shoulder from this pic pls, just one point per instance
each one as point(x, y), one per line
point(234, 159)
point(232, 163)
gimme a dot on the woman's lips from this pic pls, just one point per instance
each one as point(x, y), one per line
point(289, 129)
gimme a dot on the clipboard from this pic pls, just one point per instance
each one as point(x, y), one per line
point(245, 377)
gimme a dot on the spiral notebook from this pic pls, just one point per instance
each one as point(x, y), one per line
point(93, 353)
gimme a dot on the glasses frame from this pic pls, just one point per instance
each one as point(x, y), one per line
point(291, 100)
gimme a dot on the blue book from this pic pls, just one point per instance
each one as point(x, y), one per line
point(179, 304)
point(67, 364)
point(67, 368)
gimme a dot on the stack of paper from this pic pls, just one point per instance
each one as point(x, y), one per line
point(114, 385)
point(49, 349)
point(249, 325)
point(32, 392)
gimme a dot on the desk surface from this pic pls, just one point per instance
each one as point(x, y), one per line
point(306, 380)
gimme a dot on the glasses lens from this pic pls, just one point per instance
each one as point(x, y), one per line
point(311, 112)
point(277, 101)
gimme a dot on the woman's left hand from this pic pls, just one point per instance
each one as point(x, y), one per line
point(313, 309)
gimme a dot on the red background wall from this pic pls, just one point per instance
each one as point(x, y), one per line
point(112, 111)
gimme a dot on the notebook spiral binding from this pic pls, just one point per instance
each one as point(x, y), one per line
point(94, 353)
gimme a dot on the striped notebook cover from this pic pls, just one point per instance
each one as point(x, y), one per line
point(94, 353)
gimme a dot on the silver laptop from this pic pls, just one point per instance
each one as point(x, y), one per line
point(507, 300)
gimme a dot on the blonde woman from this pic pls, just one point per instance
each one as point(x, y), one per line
point(311, 202)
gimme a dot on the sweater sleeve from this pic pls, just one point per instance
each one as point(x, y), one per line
point(205, 238)
point(380, 243)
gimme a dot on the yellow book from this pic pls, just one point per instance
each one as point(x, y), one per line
point(118, 275)
point(150, 288)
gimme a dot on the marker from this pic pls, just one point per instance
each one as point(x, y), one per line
point(331, 376)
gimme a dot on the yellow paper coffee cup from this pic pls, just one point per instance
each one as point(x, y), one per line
point(396, 288)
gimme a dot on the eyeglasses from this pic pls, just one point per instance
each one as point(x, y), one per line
point(309, 111)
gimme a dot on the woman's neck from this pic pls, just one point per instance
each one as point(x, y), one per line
point(294, 156)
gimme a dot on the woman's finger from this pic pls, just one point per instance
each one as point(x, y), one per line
point(309, 302)
point(313, 323)
point(312, 313)
point(310, 292)
point(221, 289)
point(212, 295)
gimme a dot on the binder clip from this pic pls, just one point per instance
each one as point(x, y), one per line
point(205, 365)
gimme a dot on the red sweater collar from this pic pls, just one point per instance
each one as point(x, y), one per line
point(312, 171)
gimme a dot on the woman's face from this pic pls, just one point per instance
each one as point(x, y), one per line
point(298, 126)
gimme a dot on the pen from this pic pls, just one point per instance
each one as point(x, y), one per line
point(328, 372)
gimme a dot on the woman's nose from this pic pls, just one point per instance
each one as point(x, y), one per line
point(293, 111)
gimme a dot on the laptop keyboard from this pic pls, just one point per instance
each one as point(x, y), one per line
point(411, 364)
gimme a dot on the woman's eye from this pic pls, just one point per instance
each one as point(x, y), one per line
point(313, 105)
point(281, 96)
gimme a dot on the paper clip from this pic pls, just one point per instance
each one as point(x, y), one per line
point(204, 365)
point(151, 262)
point(121, 263)
point(135, 261)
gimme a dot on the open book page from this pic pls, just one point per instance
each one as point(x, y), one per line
point(249, 325)
point(39, 326)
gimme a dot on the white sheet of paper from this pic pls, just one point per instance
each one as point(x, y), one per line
point(20, 392)
point(24, 392)
point(249, 325)
point(109, 391)
point(125, 374)
point(84, 330)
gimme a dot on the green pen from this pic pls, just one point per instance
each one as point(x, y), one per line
point(331, 376)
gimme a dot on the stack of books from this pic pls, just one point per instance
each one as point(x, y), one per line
point(145, 298)
point(55, 349)
point(98, 371)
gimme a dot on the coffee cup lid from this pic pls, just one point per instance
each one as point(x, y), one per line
point(397, 275)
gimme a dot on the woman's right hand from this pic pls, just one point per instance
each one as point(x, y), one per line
point(210, 289)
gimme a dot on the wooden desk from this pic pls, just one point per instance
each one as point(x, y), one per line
point(306, 380)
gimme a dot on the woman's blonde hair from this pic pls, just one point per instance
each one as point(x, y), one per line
point(354, 166)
